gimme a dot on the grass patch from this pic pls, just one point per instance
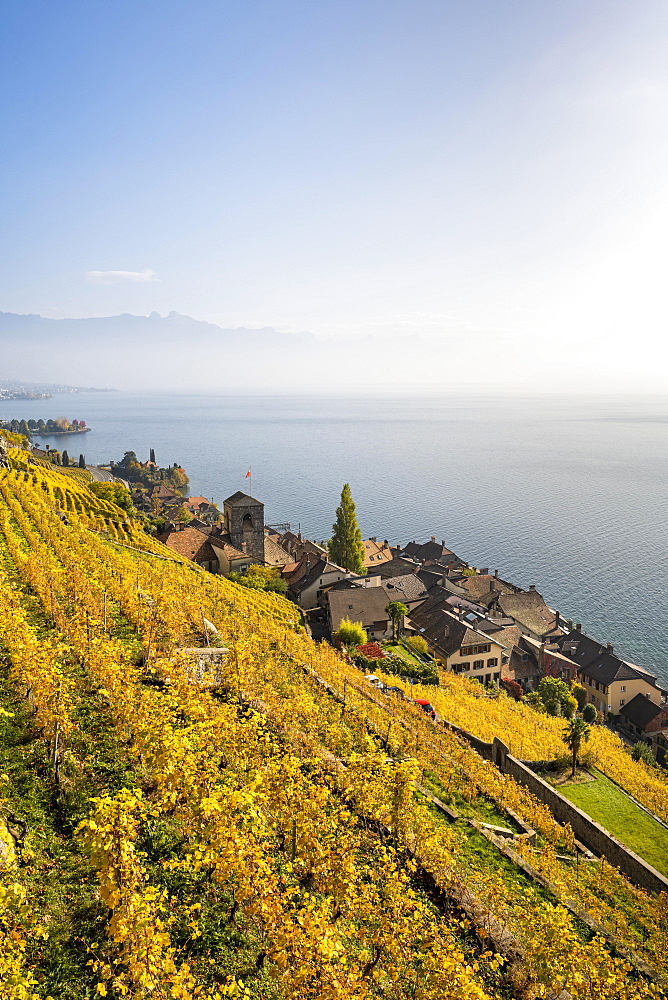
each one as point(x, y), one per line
point(608, 805)
point(398, 650)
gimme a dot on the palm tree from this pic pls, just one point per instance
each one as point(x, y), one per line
point(396, 611)
point(575, 734)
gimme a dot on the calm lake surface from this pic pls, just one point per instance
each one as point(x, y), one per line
point(566, 493)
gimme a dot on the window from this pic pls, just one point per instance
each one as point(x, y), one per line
point(464, 666)
point(664, 723)
point(478, 664)
point(496, 676)
point(472, 650)
point(622, 701)
point(623, 687)
point(492, 662)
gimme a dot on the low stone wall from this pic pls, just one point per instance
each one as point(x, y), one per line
point(591, 834)
point(486, 750)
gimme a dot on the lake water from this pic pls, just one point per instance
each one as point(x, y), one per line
point(566, 493)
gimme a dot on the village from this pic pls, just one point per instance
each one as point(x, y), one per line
point(453, 617)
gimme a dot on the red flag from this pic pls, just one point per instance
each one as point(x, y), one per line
point(247, 474)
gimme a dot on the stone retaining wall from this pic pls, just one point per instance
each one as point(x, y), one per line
point(592, 834)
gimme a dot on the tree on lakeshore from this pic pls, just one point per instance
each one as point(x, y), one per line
point(66, 458)
point(345, 547)
point(82, 462)
point(396, 611)
point(575, 734)
point(152, 456)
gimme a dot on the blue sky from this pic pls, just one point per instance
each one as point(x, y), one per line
point(347, 168)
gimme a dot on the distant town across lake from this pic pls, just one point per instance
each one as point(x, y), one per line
point(567, 493)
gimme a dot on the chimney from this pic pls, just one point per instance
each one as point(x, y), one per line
point(532, 586)
point(433, 538)
point(299, 536)
point(372, 538)
point(578, 627)
point(557, 619)
point(496, 574)
point(484, 572)
point(609, 647)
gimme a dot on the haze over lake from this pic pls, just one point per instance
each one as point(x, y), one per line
point(566, 493)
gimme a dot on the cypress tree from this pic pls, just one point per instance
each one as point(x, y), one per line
point(345, 547)
point(66, 458)
point(152, 456)
point(82, 462)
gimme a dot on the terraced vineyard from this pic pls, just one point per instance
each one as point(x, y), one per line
point(533, 736)
point(248, 823)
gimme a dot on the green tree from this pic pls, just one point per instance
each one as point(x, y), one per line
point(556, 697)
point(345, 547)
point(351, 633)
point(66, 458)
point(580, 695)
point(396, 611)
point(152, 456)
point(82, 462)
point(575, 734)
point(642, 751)
point(590, 713)
point(114, 493)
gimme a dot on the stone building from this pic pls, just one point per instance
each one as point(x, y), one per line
point(244, 523)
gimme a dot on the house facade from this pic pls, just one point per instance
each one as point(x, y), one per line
point(309, 578)
point(610, 682)
point(456, 644)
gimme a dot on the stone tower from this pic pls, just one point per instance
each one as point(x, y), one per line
point(244, 522)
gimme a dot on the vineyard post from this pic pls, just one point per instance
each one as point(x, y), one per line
point(105, 610)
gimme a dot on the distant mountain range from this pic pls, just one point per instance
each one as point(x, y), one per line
point(178, 352)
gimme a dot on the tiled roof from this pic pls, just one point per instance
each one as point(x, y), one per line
point(598, 661)
point(191, 543)
point(530, 610)
point(240, 499)
point(443, 632)
point(396, 566)
point(482, 583)
point(431, 550)
point(641, 711)
point(375, 554)
point(409, 588)
point(361, 604)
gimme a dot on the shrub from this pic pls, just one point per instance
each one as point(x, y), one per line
point(643, 752)
point(419, 644)
point(351, 633)
point(590, 713)
point(580, 695)
point(513, 688)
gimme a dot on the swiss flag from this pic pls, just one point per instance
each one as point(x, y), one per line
point(247, 476)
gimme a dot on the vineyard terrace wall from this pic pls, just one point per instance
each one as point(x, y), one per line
point(591, 834)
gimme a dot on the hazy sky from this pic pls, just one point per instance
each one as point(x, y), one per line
point(495, 168)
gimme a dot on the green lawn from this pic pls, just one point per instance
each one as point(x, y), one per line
point(399, 650)
point(608, 805)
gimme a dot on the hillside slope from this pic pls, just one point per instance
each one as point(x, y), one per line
point(246, 823)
